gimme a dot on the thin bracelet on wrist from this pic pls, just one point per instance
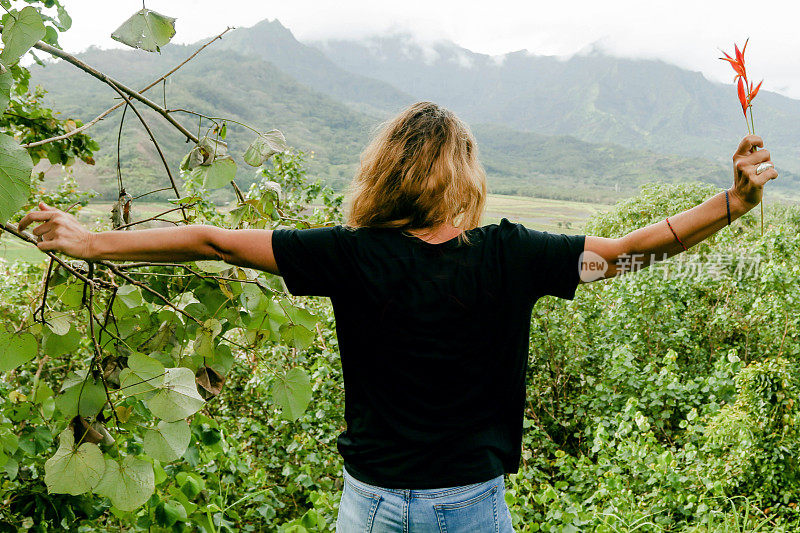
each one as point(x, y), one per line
point(728, 206)
point(677, 239)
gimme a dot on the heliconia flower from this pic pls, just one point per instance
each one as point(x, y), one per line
point(737, 67)
point(753, 92)
point(743, 97)
point(740, 54)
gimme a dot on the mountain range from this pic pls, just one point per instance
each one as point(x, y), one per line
point(591, 127)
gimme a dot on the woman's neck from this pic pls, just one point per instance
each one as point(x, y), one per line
point(437, 235)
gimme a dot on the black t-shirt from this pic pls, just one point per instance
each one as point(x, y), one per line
point(433, 340)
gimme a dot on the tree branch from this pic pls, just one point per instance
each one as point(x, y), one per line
point(110, 110)
point(69, 58)
point(27, 237)
point(152, 138)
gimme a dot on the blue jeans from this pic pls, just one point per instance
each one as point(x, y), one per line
point(476, 508)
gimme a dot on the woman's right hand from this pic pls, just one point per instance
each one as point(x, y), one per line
point(58, 232)
point(747, 185)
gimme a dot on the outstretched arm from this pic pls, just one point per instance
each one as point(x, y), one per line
point(62, 232)
point(691, 226)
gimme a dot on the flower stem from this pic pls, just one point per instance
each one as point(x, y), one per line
point(752, 127)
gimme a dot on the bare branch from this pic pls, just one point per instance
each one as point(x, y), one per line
point(69, 58)
point(110, 110)
point(27, 237)
point(152, 138)
point(154, 217)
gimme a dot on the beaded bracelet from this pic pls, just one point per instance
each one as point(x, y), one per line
point(728, 207)
point(676, 236)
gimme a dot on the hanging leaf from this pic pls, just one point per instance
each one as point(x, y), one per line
point(265, 146)
point(56, 345)
point(128, 484)
point(292, 392)
point(177, 398)
point(19, 35)
point(16, 349)
point(147, 30)
point(163, 337)
point(216, 175)
point(209, 382)
point(81, 395)
point(15, 176)
point(143, 376)
point(59, 324)
point(73, 470)
point(64, 20)
point(205, 152)
point(204, 345)
point(296, 335)
point(167, 441)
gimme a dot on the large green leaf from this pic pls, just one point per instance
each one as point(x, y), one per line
point(265, 146)
point(216, 175)
point(298, 336)
point(177, 398)
point(167, 441)
point(57, 345)
point(204, 345)
point(16, 349)
point(15, 176)
point(81, 395)
point(25, 30)
point(292, 392)
point(128, 484)
point(73, 470)
point(147, 30)
point(143, 376)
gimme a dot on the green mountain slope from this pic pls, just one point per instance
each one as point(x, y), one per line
point(242, 88)
point(249, 89)
point(636, 103)
point(273, 42)
point(563, 167)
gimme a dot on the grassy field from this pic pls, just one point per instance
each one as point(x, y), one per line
point(543, 214)
point(537, 213)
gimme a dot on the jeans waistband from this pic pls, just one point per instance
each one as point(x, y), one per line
point(418, 493)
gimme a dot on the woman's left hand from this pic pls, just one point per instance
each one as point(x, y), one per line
point(747, 185)
point(58, 232)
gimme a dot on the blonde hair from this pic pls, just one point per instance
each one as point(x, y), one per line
point(420, 170)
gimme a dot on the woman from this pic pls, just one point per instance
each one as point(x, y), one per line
point(432, 311)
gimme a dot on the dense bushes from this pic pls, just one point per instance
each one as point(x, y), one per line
point(665, 400)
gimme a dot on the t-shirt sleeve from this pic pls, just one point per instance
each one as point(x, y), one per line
point(310, 260)
point(545, 263)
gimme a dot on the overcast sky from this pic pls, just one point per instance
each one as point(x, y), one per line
point(685, 33)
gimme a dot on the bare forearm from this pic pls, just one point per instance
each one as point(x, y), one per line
point(691, 226)
point(752, 168)
point(182, 243)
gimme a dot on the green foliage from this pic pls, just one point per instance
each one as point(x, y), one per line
point(660, 401)
point(15, 177)
point(665, 400)
point(21, 31)
point(147, 30)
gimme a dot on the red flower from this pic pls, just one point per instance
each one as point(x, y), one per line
point(747, 92)
point(753, 92)
point(743, 96)
point(737, 67)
